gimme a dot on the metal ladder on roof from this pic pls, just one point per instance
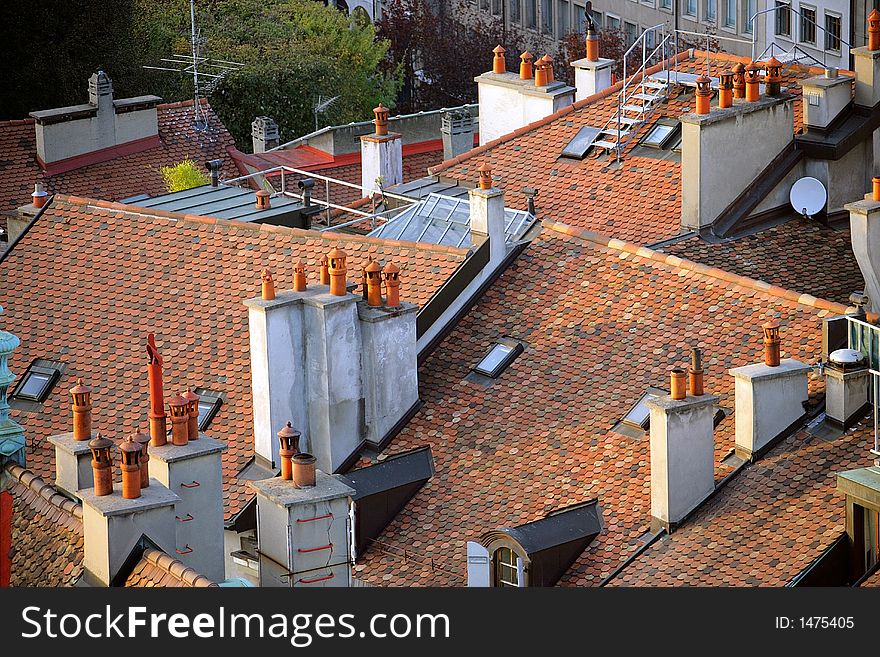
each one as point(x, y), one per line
point(640, 94)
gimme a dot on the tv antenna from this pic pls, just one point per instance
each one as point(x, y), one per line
point(206, 73)
point(322, 105)
point(808, 196)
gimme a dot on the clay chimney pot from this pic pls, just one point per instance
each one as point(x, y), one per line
point(525, 66)
point(485, 176)
point(498, 63)
point(391, 277)
point(268, 290)
point(102, 465)
point(192, 400)
point(288, 438)
point(874, 30)
point(82, 411)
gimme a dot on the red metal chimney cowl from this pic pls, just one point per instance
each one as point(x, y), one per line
point(158, 425)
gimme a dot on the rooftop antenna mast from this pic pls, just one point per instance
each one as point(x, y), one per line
point(321, 105)
point(206, 73)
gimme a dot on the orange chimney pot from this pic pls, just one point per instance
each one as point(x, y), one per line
point(485, 176)
point(102, 465)
point(380, 119)
point(178, 408)
point(739, 80)
point(874, 30)
point(38, 198)
point(704, 94)
point(268, 291)
point(391, 277)
point(373, 274)
point(725, 90)
point(337, 271)
point(677, 383)
point(158, 426)
point(875, 188)
point(192, 400)
point(130, 465)
point(324, 272)
point(774, 76)
point(548, 62)
point(299, 276)
point(695, 373)
point(82, 411)
point(303, 466)
point(753, 82)
point(525, 65)
point(772, 342)
point(592, 45)
point(498, 63)
point(263, 200)
point(143, 440)
point(288, 437)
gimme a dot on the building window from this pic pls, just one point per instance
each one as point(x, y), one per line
point(531, 21)
point(808, 25)
point(730, 13)
point(783, 19)
point(712, 10)
point(209, 405)
point(580, 18)
point(496, 7)
point(547, 16)
point(484, 5)
point(506, 569)
point(563, 17)
point(832, 32)
point(632, 32)
point(690, 7)
point(613, 22)
point(514, 14)
point(597, 19)
point(666, 4)
point(499, 357)
point(37, 382)
point(750, 7)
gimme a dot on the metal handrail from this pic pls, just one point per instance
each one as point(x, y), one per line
point(795, 11)
point(875, 400)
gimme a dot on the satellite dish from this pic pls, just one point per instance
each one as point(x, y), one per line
point(808, 196)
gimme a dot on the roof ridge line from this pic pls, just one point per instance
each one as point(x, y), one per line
point(578, 104)
point(253, 226)
point(38, 485)
point(689, 265)
point(169, 564)
point(14, 122)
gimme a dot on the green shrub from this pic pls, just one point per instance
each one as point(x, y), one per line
point(184, 175)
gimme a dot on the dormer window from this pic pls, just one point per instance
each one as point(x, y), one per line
point(507, 567)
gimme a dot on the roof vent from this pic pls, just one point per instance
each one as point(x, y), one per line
point(847, 360)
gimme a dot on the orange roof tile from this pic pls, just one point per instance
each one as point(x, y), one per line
point(602, 321)
point(92, 278)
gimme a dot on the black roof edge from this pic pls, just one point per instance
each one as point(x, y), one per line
point(393, 472)
point(26, 228)
point(143, 544)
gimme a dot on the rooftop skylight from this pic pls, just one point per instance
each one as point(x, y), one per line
point(37, 382)
point(209, 405)
point(583, 141)
point(662, 134)
point(499, 357)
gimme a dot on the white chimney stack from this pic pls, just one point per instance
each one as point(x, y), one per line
point(264, 134)
point(847, 382)
point(592, 74)
point(682, 452)
point(487, 215)
point(770, 396)
point(509, 101)
point(864, 226)
point(824, 98)
point(381, 155)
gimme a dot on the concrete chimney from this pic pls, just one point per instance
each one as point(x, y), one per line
point(193, 472)
point(750, 134)
point(340, 370)
point(864, 225)
point(265, 135)
point(71, 137)
point(867, 65)
point(487, 215)
point(508, 102)
point(305, 533)
point(825, 97)
point(847, 382)
point(682, 453)
point(592, 74)
point(114, 524)
point(381, 155)
point(457, 131)
point(769, 397)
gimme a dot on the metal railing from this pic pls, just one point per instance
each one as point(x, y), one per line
point(793, 11)
point(865, 337)
point(875, 402)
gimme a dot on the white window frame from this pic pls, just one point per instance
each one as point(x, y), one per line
point(791, 17)
point(611, 17)
point(685, 10)
point(801, 20)
point(730, 18)
point(839, 17)
point(707, 18)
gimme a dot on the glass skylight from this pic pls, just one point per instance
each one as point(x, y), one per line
point(209, 404)
point(661, 134)
point(499, 357)
point(36, 384)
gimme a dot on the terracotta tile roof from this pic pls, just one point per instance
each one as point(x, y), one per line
point(873, 581)
point(798, 255)
point(118, 178)
point(637, 201)
point(602, 320)
point(47, 534)
point(92, 278)
point(767, 525)
point(159, 569)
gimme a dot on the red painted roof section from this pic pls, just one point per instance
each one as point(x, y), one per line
point(638, 200)
point(91, 279)
point(120, 177)
point(602, 321)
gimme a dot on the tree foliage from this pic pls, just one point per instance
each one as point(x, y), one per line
point(183, 175)
point(293, 51)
